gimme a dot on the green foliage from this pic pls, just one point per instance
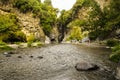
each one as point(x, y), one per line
point(27, 5)
point(31, 38)
point(75, 34)
point(2, 43)
point(77, 22)
point(20, 36)
point(39, 44)
point(48, 2)
point(9, 29)
point(8, 23)
point(106, 21)
point(112, 15)
point(29, 44)
point(5, 47)
point(115, 56)
point(17, 36)
point(47, 29)
point(48, 18)
point(93, 35)
point(79, 2)
point(112, 42)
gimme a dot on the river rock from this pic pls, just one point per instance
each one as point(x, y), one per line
point(10, 52)
point(8, 55)
point(19, 56)
point(85, 66)
point(40, 57)
point(31, 56)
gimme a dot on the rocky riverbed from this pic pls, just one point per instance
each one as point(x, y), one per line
point(56, 62)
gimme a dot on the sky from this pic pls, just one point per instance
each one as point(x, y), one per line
point(62, 4)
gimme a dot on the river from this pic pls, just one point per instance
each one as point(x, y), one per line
point(57, 62)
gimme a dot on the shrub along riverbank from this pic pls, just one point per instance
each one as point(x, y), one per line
point(115, 46)
point(18, 45)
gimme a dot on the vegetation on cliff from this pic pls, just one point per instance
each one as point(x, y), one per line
point(10, 30)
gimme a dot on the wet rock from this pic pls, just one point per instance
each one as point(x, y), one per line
point(8, 55)
point(31, 56)
point(85, 66)
point(19, 56)
point(1, 61)
point(10, 52)
point(40, 57)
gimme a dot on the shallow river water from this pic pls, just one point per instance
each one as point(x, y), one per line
point(57, 62)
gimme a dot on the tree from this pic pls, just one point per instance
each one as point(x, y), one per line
point(48, 2)
point(48, 17)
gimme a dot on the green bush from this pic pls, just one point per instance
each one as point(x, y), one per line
point(5, 47)
point(9, 29)
point(47, 29)
point(112, 42)
point(23, 5)
point(2, 43)
point(14, 37)
point(75, 34)
point(27, 5)
point(20, 36)
point(39, 44)
point(117, 47)
point(93, 35)
point(115, 56)
point(8, 23)
point(29, 44)
point(31, 38)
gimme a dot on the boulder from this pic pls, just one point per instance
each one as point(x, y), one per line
point(85, 66)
